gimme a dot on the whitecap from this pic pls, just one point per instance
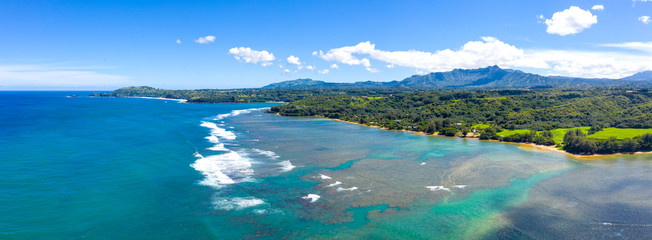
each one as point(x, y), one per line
point(218, 131)
point(238, 112)
point(423, 163)
point(218, 147)
point(286, 166)
point(334, 184)
point(460, 186)
point(322, 176)
point(312, 197)
point(269, 154)
point(436, 188)
point(212, 139)
point(197, 155)
point(237, 203)
point(339, 189)
point(227, 168)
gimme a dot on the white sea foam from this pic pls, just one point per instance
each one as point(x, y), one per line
point(340, 189)
point(269, 154)
point(197, 155)
point(237, 203)
point(238, 112)
point(460, 186)
point(334, 184)
point(437, 188)
point(213, 139)
point(322, 176)
point(227, 168)
point(286, 166)
point(218, 131)
point(423, 163)
point(312, 197)
point(218, 147)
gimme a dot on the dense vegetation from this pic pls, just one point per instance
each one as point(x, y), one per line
point(581, 121)
point(240, 95)
point(537, 112)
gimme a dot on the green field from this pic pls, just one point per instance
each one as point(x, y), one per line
point(558, 134)
point(375, 98)
point(481, 126)
point(620, 133)
point(505, 133)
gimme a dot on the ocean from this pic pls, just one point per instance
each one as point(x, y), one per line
point(133, 168)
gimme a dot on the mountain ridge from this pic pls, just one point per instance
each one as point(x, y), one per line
point(489, 77)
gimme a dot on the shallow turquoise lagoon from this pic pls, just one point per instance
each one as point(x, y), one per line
point(127, 168)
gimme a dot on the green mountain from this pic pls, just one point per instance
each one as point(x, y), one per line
point(489, 77)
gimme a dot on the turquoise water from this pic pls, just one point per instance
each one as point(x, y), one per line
point(125, 168)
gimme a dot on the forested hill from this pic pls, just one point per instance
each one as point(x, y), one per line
point(483, 78)
point(540, 116)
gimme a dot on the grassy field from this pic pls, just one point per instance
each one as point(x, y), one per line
point(481, 126)
point(375, 98)
point(505, 133)
point(558, 134)
point(620, 133)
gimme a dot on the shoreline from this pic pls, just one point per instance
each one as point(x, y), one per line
point(186, 101)
point(525, 146)
point(160, 98)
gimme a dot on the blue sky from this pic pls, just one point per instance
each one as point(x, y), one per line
point(103, 45)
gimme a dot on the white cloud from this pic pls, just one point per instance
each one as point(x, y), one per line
point(323, 71)
point(205, 40)
point(390, 66)
point(57, 77)
point(265, 64)
point(311, 68)
point(249, 55)
point(597, 7)
point(473, 54)
point(644, 19)
point(178, 41)
point(286, 70)
point(640, 46)
point(334, 66)
point(293, 60)
point(570, 21)
point(592, 64)
point(491, 51)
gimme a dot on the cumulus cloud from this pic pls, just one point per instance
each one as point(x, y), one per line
point(597, 7)
point(570, 21)
point(205, 40)
point(491, 51)
point(178, 41)
point(293, 60)
point(473, 54)
point(286, 70)
point(644, 19)
point(311, 68)
point(57, 77)
point(334, 66)
point(323, 71)
point(249, 55)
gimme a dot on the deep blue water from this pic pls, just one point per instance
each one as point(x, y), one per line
point(128, 168)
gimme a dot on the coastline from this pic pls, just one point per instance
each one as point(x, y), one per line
point(525, 146)
point(160, 98)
